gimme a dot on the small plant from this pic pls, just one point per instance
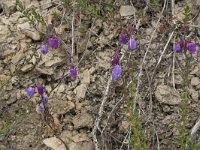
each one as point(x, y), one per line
point(85, 6)
point(188, 48)
point(121, 70)
point(31, 14)
point(137, 140)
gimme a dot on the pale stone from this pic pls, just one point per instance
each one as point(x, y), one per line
point(81, 91)
point(27, 67)
point(167, 95)
point(195, 81)
point(54, 143)
point(126, 10)
point(83, 119)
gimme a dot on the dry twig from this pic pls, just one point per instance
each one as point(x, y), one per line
point(100, 113)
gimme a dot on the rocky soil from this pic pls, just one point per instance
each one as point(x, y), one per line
point(75, 104)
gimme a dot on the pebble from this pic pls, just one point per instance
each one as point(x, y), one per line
point(126, 10)
point(195, 81)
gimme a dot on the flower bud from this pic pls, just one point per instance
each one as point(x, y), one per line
point(115, 59)
point(178, 48)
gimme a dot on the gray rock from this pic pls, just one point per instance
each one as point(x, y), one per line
point(167, 95)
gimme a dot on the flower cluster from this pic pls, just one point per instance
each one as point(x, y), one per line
point(132, 45)
point(52, 42)
point(40, 108)
point(190, 46)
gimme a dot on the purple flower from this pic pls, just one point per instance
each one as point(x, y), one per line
point(132, 44)
point(30, 92)
point(192, 48)
point(40, 89)
point(45, 100)
point(123, 38)
point(40, 108)
point(115, 59)
point(178, 48)
point(73, 73)
point(53, 42)
point(44, 49)
point(116, 73)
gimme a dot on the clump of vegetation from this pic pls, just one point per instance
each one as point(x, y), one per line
point(34, 17)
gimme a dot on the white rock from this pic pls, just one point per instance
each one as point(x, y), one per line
point(45, 71)
point(17, 57)
point(85, 77)
point(126, 10)
point(80, 137)
point(8, 53)
point(54, 62)
point(81, 91)
point(61, 88)
point(33, 60)
point(27, 67)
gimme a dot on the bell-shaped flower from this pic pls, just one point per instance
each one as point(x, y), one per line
point(73, 73)
point(40, 89)
point(40, 108)
point(116, 72)
point(30, 91)
point(53, 42)
point(45, 100)
point(132, 44)
point(178, 48)
point(44, 49)
point(192, 48)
